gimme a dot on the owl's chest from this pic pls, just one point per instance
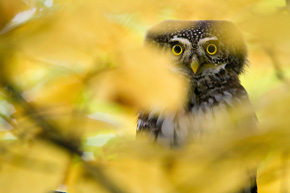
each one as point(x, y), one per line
point(199, 118)
point(208, 103)
point(206, 93)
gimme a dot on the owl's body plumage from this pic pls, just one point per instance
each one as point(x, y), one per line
point(211, 55)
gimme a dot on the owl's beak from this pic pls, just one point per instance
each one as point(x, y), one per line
point(194, 65)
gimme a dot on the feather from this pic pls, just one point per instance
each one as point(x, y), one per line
point(167, 127)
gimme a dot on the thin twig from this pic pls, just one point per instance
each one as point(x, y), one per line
point(52, 134)
point(270, 51)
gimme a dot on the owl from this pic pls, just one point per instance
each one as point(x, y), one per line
point(210, 55)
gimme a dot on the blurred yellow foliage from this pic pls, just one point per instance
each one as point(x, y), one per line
point(71, 71)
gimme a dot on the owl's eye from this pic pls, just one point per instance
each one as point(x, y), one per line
point(211, 49)
point(177, 49)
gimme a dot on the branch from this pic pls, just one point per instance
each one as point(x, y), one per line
point(52, 134)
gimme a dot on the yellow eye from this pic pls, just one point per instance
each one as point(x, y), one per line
point(177, 49)
point(211, 49)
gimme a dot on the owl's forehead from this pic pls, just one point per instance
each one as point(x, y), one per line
point(194, 31)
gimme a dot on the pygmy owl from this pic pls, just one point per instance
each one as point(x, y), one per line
point(210, 55)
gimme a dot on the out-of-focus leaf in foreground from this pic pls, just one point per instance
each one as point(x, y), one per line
point(73, 75)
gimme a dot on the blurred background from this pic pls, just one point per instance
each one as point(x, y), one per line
point(73, 75)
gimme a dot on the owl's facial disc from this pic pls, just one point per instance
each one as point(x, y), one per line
point(205, 58)
point(201, 57)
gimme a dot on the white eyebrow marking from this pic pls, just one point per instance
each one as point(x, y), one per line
point(181, 40)
point(207, 39)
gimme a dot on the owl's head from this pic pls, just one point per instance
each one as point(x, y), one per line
point(200, 47)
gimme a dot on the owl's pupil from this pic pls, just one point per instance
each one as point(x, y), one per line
point(211, 49)
point(177, 49)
